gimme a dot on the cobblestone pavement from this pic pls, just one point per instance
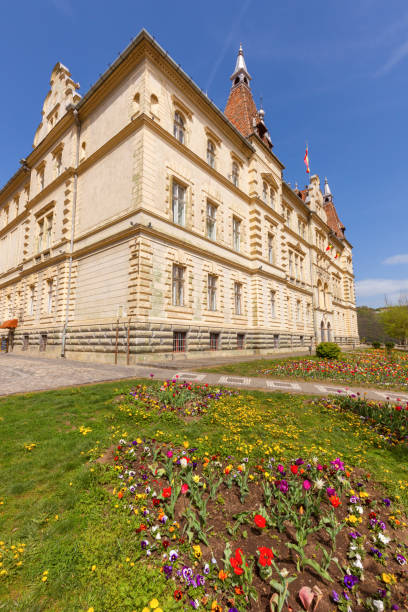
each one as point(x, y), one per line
point(25, 373)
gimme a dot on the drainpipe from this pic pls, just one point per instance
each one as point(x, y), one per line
point(71, 248)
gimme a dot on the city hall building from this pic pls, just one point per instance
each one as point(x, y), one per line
point(147, 222)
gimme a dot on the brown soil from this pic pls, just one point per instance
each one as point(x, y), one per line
point(249, 538)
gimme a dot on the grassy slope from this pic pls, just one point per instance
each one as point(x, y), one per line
point(55, 502)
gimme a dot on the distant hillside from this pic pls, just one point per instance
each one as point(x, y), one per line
point(370, 328)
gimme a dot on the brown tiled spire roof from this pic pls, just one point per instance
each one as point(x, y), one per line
point(241, 109)
point(333, 220)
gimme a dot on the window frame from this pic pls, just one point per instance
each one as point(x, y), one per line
point(212, 287)
point(210, 153)
point(177, 285)
point(179, 126)
point(238, 297)
point(235, 173)
point(211, 220)
point(175, 203)
point(236, 234)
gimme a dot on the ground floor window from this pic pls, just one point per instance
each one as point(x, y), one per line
point(26, 341)
point(43, 342)
point(179, 342)
point(276, 340)
point(301, 340)
point(214, 341)
point(240, 341)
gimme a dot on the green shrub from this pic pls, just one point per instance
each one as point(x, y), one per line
point(389, 346)
point(376, 345)
point(328, 350)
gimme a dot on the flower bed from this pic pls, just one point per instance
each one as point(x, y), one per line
point(184, 398)
point(356, 368)
point(390, 420)
point(236, 536)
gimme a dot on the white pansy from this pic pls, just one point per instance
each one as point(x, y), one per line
point(378, 605)
point(384, 539)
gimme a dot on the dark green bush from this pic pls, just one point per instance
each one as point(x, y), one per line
point(376, 345)
point(389, 346)
point(328, 350)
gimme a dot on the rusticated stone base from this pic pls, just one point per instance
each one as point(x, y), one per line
point(143, 341)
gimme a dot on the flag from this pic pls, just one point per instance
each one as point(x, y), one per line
point(329, 246)
point(336, 256)
point(306, 160)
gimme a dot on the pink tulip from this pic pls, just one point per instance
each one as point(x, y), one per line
point(184, 488)
point(306, 485)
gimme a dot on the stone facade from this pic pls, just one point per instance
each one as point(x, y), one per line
point(144, 222)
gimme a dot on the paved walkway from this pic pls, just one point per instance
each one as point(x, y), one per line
point(25, 373)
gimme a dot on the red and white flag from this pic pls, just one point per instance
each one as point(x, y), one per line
point(306, 160)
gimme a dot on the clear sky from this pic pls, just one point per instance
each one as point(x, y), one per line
point(334, 74)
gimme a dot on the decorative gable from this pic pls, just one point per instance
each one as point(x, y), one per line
point(63, 92)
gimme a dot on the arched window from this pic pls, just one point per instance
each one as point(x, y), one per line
point(235, 174)
point(179, 127)
point(210, 153)
point(154, 105)
point(264, 192)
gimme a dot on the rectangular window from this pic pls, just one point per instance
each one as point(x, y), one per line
point(179, 342)
point(43, 342)
point(298, 310)
point(212, 292)
point(40, 235)
point(290, 263)
point(236, 234)
point(276, 340)
point(301, 340)
point(214, 341)
point(296, 266)
point(240, 341)
point(41, 179)
point(48, 231)
point(50, 296)
point(273, 304)
point(178, 285)
point(211, 221)
point(238, 298)
point(272, 198)
point(179, 204)
point(270, 249)
point(31, 301)
point(301, 269)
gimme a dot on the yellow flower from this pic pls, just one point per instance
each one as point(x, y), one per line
point(389, 578)
point(93, 568)
point(90, 610)
point(44, 578)
point(154, 604)
point(196, 478)
point(145, 610)
point(197, 551)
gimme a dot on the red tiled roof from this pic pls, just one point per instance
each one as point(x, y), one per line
point(241, 109)
point(333, 220)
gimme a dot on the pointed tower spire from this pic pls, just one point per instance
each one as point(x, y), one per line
point(240, 74)
point(327, 191)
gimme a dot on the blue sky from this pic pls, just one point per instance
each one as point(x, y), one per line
point(334, 74)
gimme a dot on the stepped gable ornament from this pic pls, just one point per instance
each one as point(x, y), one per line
point(62, 93)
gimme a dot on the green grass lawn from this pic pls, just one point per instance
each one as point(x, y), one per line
point(366, 368)
point(58, 504)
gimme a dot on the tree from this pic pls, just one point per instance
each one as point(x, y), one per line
point(395, 321)
point(370, 327)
